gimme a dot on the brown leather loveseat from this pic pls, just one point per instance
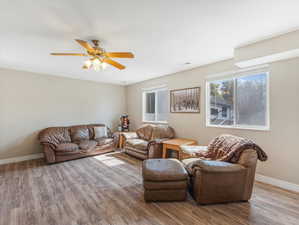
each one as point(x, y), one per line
point(146, 142)
point(66, 143)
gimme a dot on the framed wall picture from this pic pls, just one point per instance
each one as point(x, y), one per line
point(185, 100)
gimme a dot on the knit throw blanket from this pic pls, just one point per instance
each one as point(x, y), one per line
point(229, 148)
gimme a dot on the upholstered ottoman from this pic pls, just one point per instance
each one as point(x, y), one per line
point(164, 180)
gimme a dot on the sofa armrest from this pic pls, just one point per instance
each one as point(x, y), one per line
point(115, 138)
point(49, 153)
point(110, 134)
point(155, 148)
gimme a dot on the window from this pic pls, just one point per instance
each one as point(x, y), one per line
point(150, 102)
point(214, 111)
point(155, 105)
point(224, 112)
point(239, 102)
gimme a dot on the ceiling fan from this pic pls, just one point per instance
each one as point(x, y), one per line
point(98, 57)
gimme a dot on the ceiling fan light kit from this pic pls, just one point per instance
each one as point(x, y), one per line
point(96, 63)
point(98, 57)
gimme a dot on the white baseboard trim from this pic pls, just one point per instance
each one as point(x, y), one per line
point(21, 158)
point(278, 183)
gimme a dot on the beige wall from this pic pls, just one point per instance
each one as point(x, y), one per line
point(30, 102)
point(279, 44)
point(280, 142)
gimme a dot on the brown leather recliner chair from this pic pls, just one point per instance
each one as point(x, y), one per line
point(218, 182)
point(225, 171)
point(146, 142)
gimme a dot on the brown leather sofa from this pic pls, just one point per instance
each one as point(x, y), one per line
point(66, 143)
point(146, 142)
point(213, 181)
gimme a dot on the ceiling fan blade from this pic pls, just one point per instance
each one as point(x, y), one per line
point(85, 67)
point(114, 63)
point(85, 45)
point(119, 54)
point(73, 54)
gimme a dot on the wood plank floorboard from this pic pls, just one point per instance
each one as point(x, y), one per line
point(107, 190)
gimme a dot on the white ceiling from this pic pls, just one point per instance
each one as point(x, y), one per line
point(163, 34)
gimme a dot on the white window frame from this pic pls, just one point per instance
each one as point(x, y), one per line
point(236, 126)
point(152, 90)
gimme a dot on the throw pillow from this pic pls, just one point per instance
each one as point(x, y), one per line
point(100, 132)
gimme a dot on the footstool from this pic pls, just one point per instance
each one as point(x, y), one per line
point(164, 180)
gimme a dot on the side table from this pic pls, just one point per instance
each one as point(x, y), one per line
point(174, 144)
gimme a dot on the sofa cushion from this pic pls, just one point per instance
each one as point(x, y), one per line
point(87, 144)
point(137, 143)
point(67, 147)
point(213, 166)
point(187, 163)
point(104, 141)
point(79, 133)
point(137, 154)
